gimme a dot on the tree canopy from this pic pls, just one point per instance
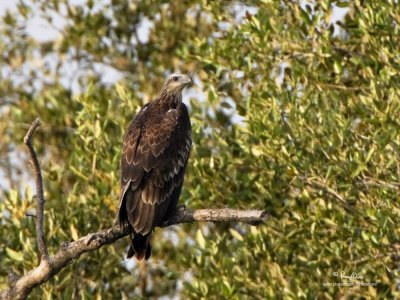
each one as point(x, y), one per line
point(298, 114)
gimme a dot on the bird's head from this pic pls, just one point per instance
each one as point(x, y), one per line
point(175, 83)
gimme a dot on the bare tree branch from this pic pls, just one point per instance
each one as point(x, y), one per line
point(40, 238)
point(20, 288)
point(252, 217)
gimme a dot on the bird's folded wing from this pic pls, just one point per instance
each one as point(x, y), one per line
point(143, 149)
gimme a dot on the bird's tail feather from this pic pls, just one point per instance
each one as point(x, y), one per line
point(140, 247)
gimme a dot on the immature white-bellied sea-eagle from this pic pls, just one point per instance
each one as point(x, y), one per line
point(155, 153)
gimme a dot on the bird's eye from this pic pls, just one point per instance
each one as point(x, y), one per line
point(175, 78)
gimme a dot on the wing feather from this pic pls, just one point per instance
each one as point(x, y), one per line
point(133, 216)
point(132, 201)
point(142, 219)
point(150, 220)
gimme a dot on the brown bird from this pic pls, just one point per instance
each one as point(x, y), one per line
point(155, 153)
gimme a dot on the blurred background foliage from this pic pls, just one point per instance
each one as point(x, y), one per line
point(299, 114)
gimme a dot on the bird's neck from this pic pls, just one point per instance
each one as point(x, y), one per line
point(170, 98)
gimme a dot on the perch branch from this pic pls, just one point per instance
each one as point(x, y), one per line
point(41, 241)
point(252, 217)
point(69, 251)
point(20, 288)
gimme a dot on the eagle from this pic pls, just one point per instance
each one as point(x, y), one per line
point(155, 152)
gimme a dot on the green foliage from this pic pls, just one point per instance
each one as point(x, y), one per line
point(297, 115)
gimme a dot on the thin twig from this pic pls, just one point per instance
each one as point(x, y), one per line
point(41, 241)
point(380, 183)
point(31, 214)
point(375, 257)
point(321, 186)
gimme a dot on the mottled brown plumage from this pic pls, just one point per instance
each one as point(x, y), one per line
point(155, 153)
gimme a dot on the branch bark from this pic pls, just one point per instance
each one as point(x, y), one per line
point(20, 288)
point(40, 238)
point(69, 251)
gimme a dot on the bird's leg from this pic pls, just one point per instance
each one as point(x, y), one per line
point(180, 208)
point(175, 216)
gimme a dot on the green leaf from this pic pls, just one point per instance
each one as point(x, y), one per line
point(337, 66)
point(200, 239)
point(14, 255)
point(236, 234)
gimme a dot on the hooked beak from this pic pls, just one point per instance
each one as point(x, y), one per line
point(188, 81)
point(191, 83)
